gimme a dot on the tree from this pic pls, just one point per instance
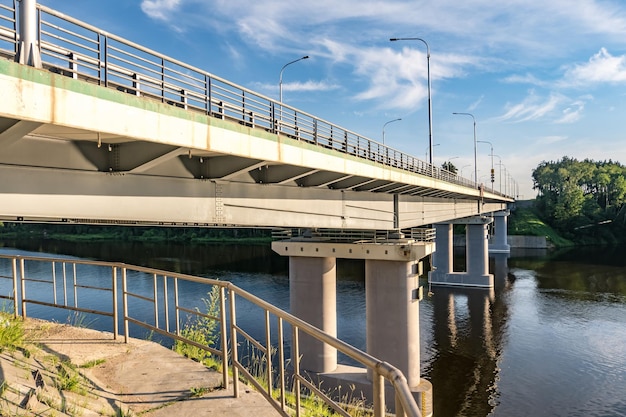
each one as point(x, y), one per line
point(449, 166)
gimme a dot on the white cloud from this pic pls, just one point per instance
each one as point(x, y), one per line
point(601, 68)
point(572, 113)
point(159, 9)
point(532, 107)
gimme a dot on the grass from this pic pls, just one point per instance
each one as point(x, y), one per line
point(92, 363)
point(11, 332)
point(202, 329)
point(524, 221)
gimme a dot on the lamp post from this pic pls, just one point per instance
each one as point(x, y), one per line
point(500, 166)
point(492, 171)
point(475, 164)
point(390, 121)
point(462, 168)
point(426, 151)
point(280, 81)
point(430, 110)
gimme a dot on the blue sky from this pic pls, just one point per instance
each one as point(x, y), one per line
point(543, 79)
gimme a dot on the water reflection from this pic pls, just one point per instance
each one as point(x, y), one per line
point(468, 327)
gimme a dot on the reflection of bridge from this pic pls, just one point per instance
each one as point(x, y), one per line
point(97, 129)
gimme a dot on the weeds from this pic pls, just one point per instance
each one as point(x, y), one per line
point(68, 379)
point(92, 363)
point(78, 319)
point(202, 329)
point(11, 332)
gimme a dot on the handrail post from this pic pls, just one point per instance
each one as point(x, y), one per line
point(115, 312)
point(378, 383)
point(15, 302)
point(296, 368)
point(125, 304)
point(224, 335)
point(23, 287)
point(233, 342)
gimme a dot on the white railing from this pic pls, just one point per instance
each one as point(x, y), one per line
point(58, 283)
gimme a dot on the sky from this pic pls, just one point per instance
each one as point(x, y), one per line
point(542, 79)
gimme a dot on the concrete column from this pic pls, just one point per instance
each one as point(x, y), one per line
point(500, 244)
point(28, 52)
point(443, 255)
point(313, 298)
point(476, 254)
point(392, 315)
point(476, 249)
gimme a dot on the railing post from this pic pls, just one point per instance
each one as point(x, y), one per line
point(233, 342)
point(23, 287)
point(15, 298)
point(166, 306)
point(115, 313)
point(268, 354)
point(296, 368)
point(281, 365)
point(73, 65)
point(155, 305)
point(378, 383)
point(224, 335)
point(125, 305)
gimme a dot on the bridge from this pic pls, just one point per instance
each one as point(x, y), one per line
point(95, 129)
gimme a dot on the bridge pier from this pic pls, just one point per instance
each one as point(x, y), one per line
point(499, 242)
point(392, 295)
point(476, 253)
point(313, 298)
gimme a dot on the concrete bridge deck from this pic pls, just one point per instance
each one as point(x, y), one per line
point(107, 131)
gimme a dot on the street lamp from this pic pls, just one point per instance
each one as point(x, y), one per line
point(462, 168)
point(390, 121)
point(280, 81)
point(475, 164)
point(426, 151)
point(492, 171)
point(500, 166)
point(430, 109)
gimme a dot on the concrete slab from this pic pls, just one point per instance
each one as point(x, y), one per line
point(140, 377)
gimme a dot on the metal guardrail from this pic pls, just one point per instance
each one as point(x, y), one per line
point(420, 234)
point(8, 29)
point(60, 283)
point(79, 50)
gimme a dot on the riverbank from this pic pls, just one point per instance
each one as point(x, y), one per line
point(61, 370)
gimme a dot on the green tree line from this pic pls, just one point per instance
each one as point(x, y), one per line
point(583, 200)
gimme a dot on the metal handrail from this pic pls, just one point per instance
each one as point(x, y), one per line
point(164, 296)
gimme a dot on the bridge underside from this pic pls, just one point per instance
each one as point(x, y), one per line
point(78, 152)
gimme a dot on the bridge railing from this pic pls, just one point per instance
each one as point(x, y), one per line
point(8, 29)
point(156, 302)
point(420, 234)
point(79, 50)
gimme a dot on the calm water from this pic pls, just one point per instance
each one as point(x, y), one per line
point(549, 340)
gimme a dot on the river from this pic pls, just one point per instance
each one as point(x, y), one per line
point(550, 340)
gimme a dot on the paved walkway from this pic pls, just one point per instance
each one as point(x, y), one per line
point(125, 379)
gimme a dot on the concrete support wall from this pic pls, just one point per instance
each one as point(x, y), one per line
point(443, 255)
point(499, 243)
point(392, 315)
point(313, 298)
point(477, 258)
point(476, 254)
